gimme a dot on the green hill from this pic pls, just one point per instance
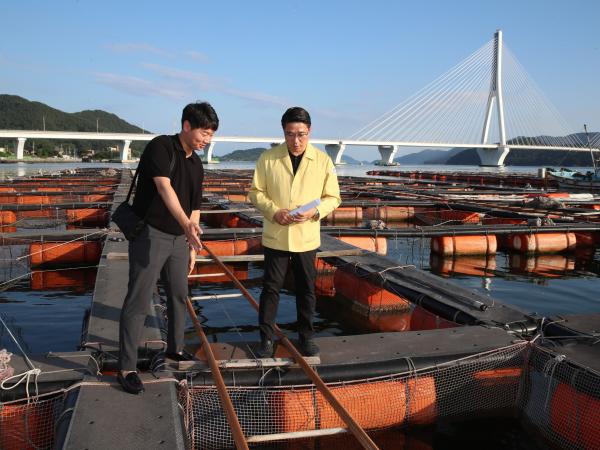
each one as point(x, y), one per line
point(18, 113)
point(250, 154)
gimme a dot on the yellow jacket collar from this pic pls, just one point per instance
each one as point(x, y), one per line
point(310, 151)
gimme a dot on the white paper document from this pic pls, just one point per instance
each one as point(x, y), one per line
point(306, 207)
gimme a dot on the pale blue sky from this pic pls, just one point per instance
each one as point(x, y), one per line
point(345, 61)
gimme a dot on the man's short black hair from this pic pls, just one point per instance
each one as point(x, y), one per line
point(295, 114)
point(200, 115)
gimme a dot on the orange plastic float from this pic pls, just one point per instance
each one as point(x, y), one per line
point(91, 198)
point(574, 416)
point(345, 214)
point(367, 293)
point(64, 253)
point(542, 242)
point(7, 217)
point(389, 213)
point(372, 244)
point(464, 245)
point(249, 246)
point(374, 405)
point(90, 216)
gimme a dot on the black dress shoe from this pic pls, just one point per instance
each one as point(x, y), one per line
point(266, 349)
point(308, 347)
point(131, 382)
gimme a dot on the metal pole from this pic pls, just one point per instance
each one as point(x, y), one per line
point(234, 423)
point(360, 434)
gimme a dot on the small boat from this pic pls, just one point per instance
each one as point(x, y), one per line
point(575, 180)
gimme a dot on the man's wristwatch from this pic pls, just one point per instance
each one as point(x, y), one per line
point(316, 215)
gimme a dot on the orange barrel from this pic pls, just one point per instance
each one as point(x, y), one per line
point(366, 293)
point(39, 214)
point(478, 265)
point(373, 405)
point(34, 200)
point(90, 216)
point(461, 216)
point(542, 242)
point(587, 238)
point(233, 221)
point(574, 416)
point(90, 198)
point(346, 214)
point(7, 189)
point(79, 279)
point(8, 199)
point(373, 244)
point(421, 319)
point(50, 189)
point(464, 245)
point(64, 252)
point(546, 265)
point(7, 217)
point(233, 247)
point(389, 213)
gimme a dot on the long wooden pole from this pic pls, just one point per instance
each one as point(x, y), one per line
point(353, 426)
point(234, 423)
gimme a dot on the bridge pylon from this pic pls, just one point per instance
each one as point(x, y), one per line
point(490, 156)
point(335, 152)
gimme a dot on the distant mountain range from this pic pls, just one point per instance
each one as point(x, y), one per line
point(18, 113)
point(516, 157)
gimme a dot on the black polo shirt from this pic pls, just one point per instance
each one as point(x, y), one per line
point(186, 179)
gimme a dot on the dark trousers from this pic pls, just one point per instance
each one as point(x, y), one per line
point(151, 254)
point(276, 266)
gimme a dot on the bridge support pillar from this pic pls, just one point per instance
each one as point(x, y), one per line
point(125, 151)
point(335, 152)
point(493, 157)
point(20, 147)
point(387, 153)
point(208, 152)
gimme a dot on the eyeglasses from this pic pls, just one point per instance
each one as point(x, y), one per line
point(300, 135)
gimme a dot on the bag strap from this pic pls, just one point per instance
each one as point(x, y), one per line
point(137, 170)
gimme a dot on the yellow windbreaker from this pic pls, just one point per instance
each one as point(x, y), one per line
point(274, 187)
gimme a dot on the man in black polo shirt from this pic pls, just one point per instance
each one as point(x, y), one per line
point(168, 197)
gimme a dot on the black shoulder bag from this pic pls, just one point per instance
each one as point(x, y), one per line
point(125, 217)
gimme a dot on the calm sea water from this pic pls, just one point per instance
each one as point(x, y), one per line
point(548, 284)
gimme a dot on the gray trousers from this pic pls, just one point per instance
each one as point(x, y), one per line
point(153, 253)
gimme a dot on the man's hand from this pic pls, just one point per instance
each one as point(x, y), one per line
point(192, 232)
point(303, 217)
point(192, 262)
point(283, 217)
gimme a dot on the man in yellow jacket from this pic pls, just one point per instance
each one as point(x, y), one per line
point(288, 176)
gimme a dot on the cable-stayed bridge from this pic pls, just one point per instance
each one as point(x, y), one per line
point(487, 102)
